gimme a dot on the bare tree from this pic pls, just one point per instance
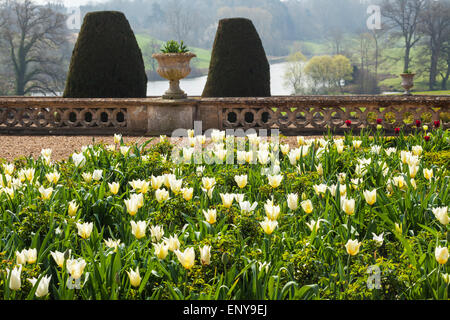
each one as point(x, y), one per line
point(403, 17)
point(436, 27)
point(32, 36)
point(180, 20)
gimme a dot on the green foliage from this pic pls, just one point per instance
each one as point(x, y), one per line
point(172, 46)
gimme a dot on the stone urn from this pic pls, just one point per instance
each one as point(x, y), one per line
point(174, 67)
point(407, 82)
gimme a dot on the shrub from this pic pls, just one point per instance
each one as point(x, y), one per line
point(239, 66)
point(106, 61)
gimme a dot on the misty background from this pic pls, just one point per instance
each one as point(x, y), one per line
point(300, 37)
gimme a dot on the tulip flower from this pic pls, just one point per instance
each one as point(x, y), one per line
point(205, 254)
point(42, 289)
point(175, 185)
point(348, 206)
point(97, 175)
point(272, 211)
point(114, 187)
point(268, 225)
point(8, 168)
point(187, 193)
point(156, 182)
point(53, 177)
point(134, 276)
point(14, 280)
point(314, 225)
point(208, 183)
point(45, 193)
point(417, 150)
point(307, 206)
point(210, 215)
point(227, 199)
point(275, 181)
point(138, 229)
point(247, 207)
point(161, 250)
point(320, 189)
point(31, 255)
point(75, 267)
point(59, 257)
point(292, 200)
point(186, 258)
point(132, 205)
point(156, 232)
point(85, 229)
point(356, 144)
point(161, 195)
point(172, 242)
point(378, 239)
point(284, 148)
point(124, 150)
point(352, 247)
point(441, 254)
point(113, 244)
point(413, 170)
point(370, 196)
point(398, 227)
point(87, 177)
point(428, 173)
point(241, 180)
point(73, 207)
point(441, 214)
point(117, 138)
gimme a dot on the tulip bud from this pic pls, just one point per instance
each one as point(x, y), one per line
point(186, 258)
point(14, 280)
point(42, 289)
point(134, 276)
point(370, 196)
point(205, 254)
point(441, 254)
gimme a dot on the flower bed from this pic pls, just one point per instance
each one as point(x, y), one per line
point(356, 217)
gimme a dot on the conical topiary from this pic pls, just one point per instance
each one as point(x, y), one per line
point(239, 66)
point(106, 60)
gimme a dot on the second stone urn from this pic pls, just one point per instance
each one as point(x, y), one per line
point(174, 67)
point(407, 82)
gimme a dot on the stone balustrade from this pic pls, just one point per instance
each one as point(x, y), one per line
point(299, 115)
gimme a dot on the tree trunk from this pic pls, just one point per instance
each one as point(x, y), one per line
point(407, 53)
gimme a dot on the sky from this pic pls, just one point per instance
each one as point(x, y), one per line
point(70, 3)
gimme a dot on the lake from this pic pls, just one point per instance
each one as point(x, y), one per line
point(194, 86)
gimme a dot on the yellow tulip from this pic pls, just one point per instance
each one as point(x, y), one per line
point(348, 205)
point(428, 173)
point(441, 254)
point(114, 187)
point(268, 225)
point(352, 247)
point(370, 196)
point(138, 229)
point(161, 250)
point(307, 206)
point(205, 255)
point(135, 277)
point(85, 229)
point(241, 180)
point(76, 267)
point(187, 193)
point(186, 258)
point(73, 207)
point(275, 180)
point(210, 215)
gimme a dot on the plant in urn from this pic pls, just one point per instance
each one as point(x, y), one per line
point(173, 65)
point(407, 81)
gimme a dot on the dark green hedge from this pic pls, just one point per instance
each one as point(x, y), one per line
point(239, 66)
point(106, 61)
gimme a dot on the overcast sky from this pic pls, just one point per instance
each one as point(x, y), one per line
point(71, 3)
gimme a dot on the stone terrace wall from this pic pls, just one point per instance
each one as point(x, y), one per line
point(300, 115)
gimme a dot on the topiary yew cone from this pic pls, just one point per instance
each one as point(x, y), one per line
point(239, 66)
point(106, 60)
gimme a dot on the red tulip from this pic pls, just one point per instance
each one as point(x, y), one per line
point(427, 138)
point(418, 123)
point(397, 130)
point(437, 124)
point(348, 123)
point(379, 121)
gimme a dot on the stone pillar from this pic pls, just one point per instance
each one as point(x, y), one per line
point(166, 117)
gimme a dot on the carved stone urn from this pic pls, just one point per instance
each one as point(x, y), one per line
point(174, 67)
point(407, 82)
